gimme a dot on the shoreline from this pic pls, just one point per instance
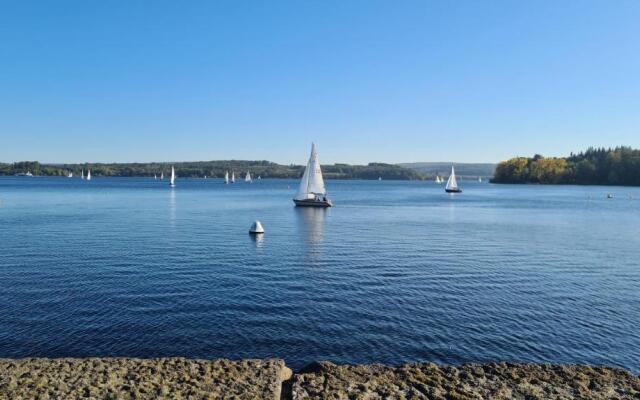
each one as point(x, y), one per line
point(134, 378)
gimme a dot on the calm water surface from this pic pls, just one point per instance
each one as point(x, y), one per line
point(396, 271)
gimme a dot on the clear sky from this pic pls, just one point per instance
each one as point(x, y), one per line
point(368, 80)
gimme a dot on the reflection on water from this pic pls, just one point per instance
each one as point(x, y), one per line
point(258, 240)
point(172, 206)
point(310, 223)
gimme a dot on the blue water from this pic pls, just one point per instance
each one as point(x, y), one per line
point(395, 272)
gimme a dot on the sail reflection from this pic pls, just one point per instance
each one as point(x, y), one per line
point(172, 207)
point(310, 221)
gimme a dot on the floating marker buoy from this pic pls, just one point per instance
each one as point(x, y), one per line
point(256, 228)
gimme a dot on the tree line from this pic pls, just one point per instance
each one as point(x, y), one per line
point(199, 169)
point(595, 166)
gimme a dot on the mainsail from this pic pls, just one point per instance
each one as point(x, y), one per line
point(88, 175)
point(452, 184)
point(173, 177)
point(312, 184)
point(247, 178)
point(226, 177)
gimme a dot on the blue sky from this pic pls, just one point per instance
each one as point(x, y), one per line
point(388, 81)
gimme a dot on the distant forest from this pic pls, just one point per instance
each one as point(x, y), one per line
point(463, 170)
point(199, 169)
point(596, 166)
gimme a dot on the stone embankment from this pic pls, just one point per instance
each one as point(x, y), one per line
point(179, 378)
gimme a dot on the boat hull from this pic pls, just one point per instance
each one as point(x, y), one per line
point(453, 190)
point(313, 203)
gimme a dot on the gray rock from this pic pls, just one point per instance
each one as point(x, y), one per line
point(325, 380)
point(127, 378)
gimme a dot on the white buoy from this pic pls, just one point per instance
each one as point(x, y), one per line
point(256, 228)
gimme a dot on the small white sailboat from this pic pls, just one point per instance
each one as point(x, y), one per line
point(452, 183)
point(155, 177)
point(226, 177)
point(162, 175)
point(438, 179)
point(312, 192)
point(233, 177)
point(247, 178)
point(479, 179)
point(82, 174)
point(172, 182)
point(379, 178)
point(70, 174)
point(88, 174)
point(259, 177)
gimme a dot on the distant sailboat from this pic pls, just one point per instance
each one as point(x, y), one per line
point(82, 174)
point(247, 177)
point(438, 179)
point(233, 177)
point(155, 176)
point(312, 192)
point(452, 183)
point(379, 178)
point(479, 179)
point(162, 175)
point(88, 174)
point(259, 177)
point(172, 182)
point(226, 177)
point(70, 174)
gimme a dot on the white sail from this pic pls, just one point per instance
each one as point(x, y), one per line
point(82, 176)
point(479, 179)
point(162, 175)
point(452, 183)
point(172, 182)
point(70, 174)
point(233, 177)
point(247, 177)
point(226, 177)
point(311, 184)
point(89, 175)
point(155, 176)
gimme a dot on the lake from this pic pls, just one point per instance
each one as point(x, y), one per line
point(396, 271)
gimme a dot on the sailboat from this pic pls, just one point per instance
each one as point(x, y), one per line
point(226, 177)
point(452, 184)
point(70, 174)
point(247, 177)
point(479, 179)
point(233, 177)
point(88, 174)
point(172, 182)
point(82, 174)
point(259, 177)
point(312, 192)
point(438, 179)
point(162, 175)
point(155, 176)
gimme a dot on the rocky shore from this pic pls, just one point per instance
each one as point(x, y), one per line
point(179, 378)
